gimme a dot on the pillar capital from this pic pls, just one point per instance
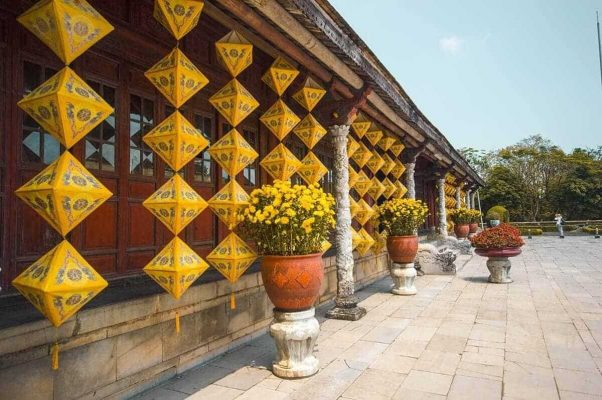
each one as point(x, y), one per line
point(339, 132)
point(409, 155)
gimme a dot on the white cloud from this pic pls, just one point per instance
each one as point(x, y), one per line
point(450, 44)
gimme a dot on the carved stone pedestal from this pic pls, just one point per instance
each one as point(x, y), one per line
point(403, 276)
point(499, 269)
point(295, 334)
point(346, 308)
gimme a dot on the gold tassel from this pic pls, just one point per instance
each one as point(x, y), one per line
point(177, 322)
point(232, 301)
point(54, 354)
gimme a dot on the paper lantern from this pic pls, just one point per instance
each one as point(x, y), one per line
point(401, 189)
point(228, 201)
point(397, 148)
point(355, 239)
point(232, 257)
point(365, 243)
point(309, 95)
point(280, 163)
point(234, 52)
point(177, 78)
point(280, 75)
point(66, 107)
point(352, 146)
point(310, 131)
point(179, 17)
point(398, 170)
point(386, 142)
point(59, 283)
point(234, 102)
point(67, 27)
point(352, 177)
point(279, 119)
point(374, 136)
point(388, 165)
point(363, 183)
point(176, 267)
point(390, 188)
point(364, 212)
point(232, 152)
point(376, 189)
point(354, 208)
point(176, 141)
point(326, 245)
point(175, 204)
point(64, 193)
point(362, 155)
point(380, 241)
point(311, 169)
point(361, 125)
point(375, 163)
point(449, 178)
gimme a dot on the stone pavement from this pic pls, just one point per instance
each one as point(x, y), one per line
point(458, 338)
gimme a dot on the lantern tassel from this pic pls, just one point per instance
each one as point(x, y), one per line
point(177, 322)
point(232, 301)
point(54, 354)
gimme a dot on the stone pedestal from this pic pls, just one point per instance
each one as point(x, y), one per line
point(403, 276)
point(295, 334)
point(432, 260)
point(499, 269)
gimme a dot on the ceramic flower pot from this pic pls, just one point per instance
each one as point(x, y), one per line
point(498, 263)
point(474, 227)
point(461, 230)
point(293, 282)
point(402, 249)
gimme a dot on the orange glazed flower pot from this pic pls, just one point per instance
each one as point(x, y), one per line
point(474, 227)
point(293, 282)
point(461, 230)
point(402, 249)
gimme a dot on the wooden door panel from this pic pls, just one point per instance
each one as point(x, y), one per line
point(137, 260)
point(141, 222)
point(100, 228)
point(35, 236)
point(103, 264)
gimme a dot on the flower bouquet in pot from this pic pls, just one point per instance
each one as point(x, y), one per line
point(401, 219)
point(289, 225)
point(498, 244)
point(461, 218)
point(475, 218)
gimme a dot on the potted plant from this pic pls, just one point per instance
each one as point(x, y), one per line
point(401, 219)
point(493, 217)
point(461, 217)
point(498, 244)
point(474, 221)
point(289, 225)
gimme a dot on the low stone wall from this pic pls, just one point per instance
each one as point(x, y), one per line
point(119, 350)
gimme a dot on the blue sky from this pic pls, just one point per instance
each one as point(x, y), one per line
point(489, 73)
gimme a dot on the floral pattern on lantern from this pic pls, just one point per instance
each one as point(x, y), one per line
point(234, 52)
point(280, 75)
point(279, 119)
point(312, 169)
point(281, 163)
point(179, 17)
point(232, 257)
point(309, 95)
point(234, 102)
point(310, 131)
point(232, 152)
point(228, 201)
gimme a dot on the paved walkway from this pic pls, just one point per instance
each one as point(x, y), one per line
point(458, 338)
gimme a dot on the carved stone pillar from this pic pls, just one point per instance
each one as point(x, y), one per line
point(410, 182)
point(441, 205)
point(468, 200)
point(345, 302)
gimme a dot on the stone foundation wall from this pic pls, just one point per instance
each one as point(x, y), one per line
point(119, 350)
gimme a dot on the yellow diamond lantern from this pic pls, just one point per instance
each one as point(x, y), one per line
point(67, 27)
point(177, 78)
point(175, 204)
point(326, 245)
point(386, 142)
point(280, 163)
point(232, 152)
point(388, 165)
point(366, 242)
point(375, 163)
point(310, 131)
point(363, 183)
point(228, 201)
point(362, 155)
point(376, 189)
point(280, 75)
point(397, 148)
point(390, 188)
point(234, 52)
point(309, 95)
point(352, 177)
point(374, 137)
point(234, 102)
point(361, 125)
point(66, 107)
point(354, 208)
point(232, 257)
point(176, 141)
point(176, 267)
point(398, 169)
point(64, 193)
point(311, 170)
point(279, 119)
point(401, 189)
point(59, 283)
point(380, 241)
point(364, 213)
point(352, 146)
point(356, 239)
point(179, 17)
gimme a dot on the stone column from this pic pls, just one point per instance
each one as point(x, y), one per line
point(345, 302)
point(442, 210)
point(410, 183)
point(468, 200)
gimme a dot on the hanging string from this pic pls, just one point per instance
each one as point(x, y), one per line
point(54, 355)
point(177, 322)
point(232, 300)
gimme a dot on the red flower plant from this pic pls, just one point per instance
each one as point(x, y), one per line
point(499, 237)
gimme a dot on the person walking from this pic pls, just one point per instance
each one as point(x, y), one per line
point(559, 223)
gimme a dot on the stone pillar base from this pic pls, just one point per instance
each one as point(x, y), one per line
point(403, 276)
point(499, 269)
point(295, 334)
point(346, 308)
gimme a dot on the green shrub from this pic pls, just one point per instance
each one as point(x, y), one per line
point(492, 215)
point(534, 231)
point(501, 211)
point(592, 229)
